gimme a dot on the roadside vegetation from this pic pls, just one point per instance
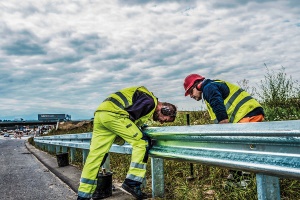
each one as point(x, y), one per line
point(280, 97)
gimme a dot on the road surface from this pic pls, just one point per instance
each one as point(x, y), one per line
point(23, 177)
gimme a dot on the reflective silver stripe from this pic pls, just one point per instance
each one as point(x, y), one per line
point(233, 97)
point(123, 98)
point(88, 181)
point(85, 195)
point(135, 178)
point(238, 107)
point(115, 101)
point(138, 165)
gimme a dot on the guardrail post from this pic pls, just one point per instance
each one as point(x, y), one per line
point(51, 148)
point(72, 151)
point(158, 181)
point(268, 187)
point(64, 149)
point(57, 149)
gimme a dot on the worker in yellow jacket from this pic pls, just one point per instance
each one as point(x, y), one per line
point(226, 103)
point(121, 115)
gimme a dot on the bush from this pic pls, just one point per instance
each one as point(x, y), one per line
point(280, 96)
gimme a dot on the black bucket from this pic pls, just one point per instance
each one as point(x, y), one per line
point(62, 159)
point(104, 186)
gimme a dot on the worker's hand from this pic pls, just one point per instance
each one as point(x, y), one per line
point(144, 126)
point(224, 121)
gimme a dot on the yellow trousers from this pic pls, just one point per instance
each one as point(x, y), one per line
point(107, 126)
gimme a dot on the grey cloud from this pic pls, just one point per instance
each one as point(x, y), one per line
point(21, 42)
point(29, 10)
point(85, 57)
point(136, 2)
point(293, 3)
point(64, 59)
point(118, 67)
point(83, 46)
point(116, 55)
point(90, 43)
point(23, 48)
point(132, 77)
point(236, 3)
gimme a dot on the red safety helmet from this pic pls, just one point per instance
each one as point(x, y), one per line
point(190, 80)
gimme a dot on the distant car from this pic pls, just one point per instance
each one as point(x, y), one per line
point(6, 135)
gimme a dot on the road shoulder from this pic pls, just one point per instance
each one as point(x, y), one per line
point(70, 174)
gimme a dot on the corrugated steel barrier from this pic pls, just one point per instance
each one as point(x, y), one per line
point(269, 149)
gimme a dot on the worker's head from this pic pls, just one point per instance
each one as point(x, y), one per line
point(165, 112)
point(192, 84)
point(189, 82)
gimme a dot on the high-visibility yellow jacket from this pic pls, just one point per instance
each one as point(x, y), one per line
point(118, 103)
point(238, 103)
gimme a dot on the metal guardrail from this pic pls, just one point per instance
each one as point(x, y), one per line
point(61, 143)
point(269, 149)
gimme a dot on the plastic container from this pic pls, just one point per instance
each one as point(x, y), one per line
point(62, 159)
point(104, 186)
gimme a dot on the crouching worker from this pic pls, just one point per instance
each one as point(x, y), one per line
point(121, 115)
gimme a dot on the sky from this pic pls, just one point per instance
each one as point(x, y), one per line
point(67, 56)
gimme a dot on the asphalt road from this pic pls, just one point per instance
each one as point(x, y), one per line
point(23, 177)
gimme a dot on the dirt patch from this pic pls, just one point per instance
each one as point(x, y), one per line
point(73, 127)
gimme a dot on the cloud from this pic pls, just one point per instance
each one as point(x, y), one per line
point(66, 56)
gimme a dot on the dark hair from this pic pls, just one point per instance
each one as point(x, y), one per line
point(169, 109)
